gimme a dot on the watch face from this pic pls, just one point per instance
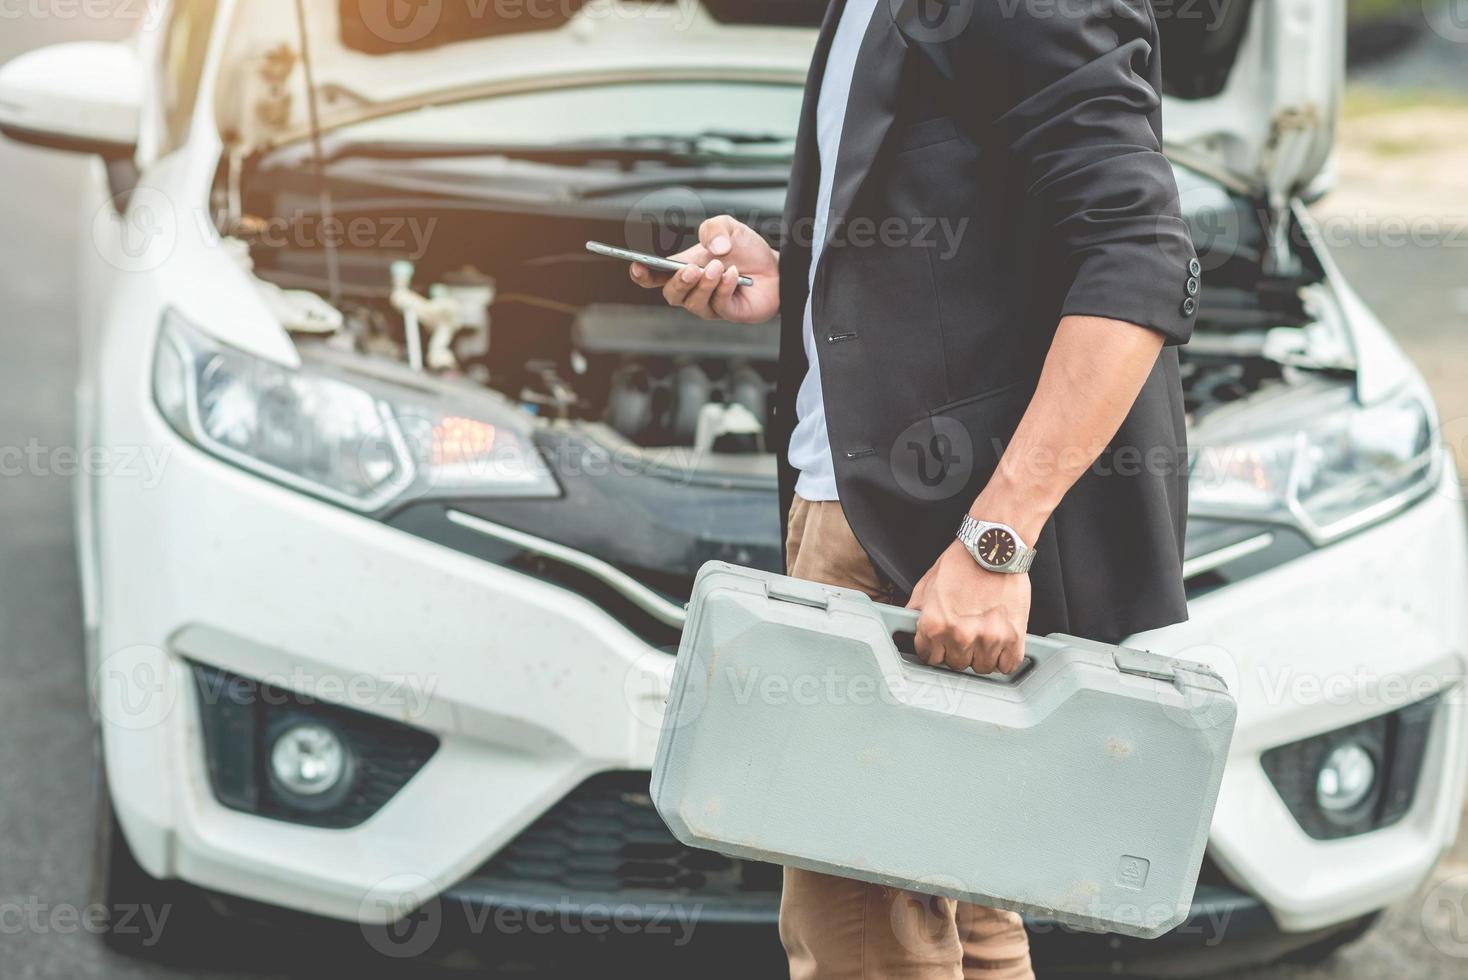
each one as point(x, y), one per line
point(996, 546)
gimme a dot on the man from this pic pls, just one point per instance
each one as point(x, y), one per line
point(1018, 389)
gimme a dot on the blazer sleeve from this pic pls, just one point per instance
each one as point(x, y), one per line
point(1077, 111)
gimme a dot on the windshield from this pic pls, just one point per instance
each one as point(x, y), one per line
point(728, 115)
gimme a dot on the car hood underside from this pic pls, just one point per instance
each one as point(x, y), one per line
point(1252, 87)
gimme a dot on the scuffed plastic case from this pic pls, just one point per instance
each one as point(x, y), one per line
point(1081, 788)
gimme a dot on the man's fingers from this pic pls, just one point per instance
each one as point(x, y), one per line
point(724, 292)
point(928, 647)
point(694, 255)
point(1013, 655)
point(700, 298)
point(719, 234)
point(992, 634)
point(680, 284)
point(647, 278)
point(676, 286)
point(999, 646)
point(958, 652)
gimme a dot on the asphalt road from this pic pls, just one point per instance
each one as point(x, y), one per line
point(46, 779)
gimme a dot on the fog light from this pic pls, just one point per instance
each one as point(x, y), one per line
point(310, 766)
point(1346, 778)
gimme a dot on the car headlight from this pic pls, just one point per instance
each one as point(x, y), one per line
point(1329, 470)
point(361, 442)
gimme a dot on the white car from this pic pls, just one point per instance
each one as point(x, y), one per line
point(394, 494)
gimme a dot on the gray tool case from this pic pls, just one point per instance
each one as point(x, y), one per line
point(1080, 789)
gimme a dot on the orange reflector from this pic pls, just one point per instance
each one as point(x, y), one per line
point(457, 440)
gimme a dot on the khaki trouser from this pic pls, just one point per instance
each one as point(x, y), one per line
point(837, 928)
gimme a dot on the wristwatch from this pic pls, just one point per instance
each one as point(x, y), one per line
point(996, 547)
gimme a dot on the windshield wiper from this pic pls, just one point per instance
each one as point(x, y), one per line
point(720, 178)
point(670, 149)
point(712, 139)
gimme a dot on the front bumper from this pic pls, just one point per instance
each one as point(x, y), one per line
point(531, 690)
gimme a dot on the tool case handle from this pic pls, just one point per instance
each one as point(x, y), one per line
point(901, 626)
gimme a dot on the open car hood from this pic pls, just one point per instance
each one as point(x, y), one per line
point(375, 57)
point(1252, 87)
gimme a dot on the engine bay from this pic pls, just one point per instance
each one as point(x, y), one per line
point(561, 332)
point(506, 297)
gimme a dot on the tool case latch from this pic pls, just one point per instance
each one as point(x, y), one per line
point(799, 592)
point(1142, 664)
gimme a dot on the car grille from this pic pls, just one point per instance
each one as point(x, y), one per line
point(605, 844)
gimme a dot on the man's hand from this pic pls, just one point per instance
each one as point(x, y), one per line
point(971, 617)
point(709, 286)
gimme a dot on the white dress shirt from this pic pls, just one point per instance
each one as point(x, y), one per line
point(810, 445)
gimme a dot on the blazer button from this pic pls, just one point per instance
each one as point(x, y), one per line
point(1193, 286)
point(1195, 268)
point(1190, 306)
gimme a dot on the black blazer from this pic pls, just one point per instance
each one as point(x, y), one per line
point(1000, 168)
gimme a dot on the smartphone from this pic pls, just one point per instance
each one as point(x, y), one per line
point(651, 261)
